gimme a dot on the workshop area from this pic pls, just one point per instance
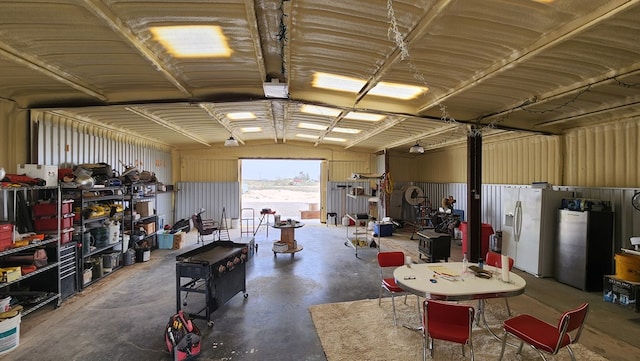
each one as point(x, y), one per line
point(455, 131)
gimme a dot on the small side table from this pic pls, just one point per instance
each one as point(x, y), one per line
point(287, 236)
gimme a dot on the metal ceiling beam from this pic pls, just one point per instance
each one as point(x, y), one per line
point(417, 33)
point(550, 40)
point(388, 123)
point(632, 106)
point(124, 132)
point(220, 118)
point(60, 75)
point(252, 24)
point(431, 133)
point(567, 91)
point(104, 12)
point(156, 119)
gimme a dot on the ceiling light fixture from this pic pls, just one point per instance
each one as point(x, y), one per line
point(417, 148)
point(231, 142)
point(275, 89)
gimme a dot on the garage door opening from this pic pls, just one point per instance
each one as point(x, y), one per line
point(289, 187)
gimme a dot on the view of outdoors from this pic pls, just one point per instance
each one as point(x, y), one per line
point(289, 187)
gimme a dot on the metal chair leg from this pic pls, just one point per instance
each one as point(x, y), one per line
point(504, 344)
point(506, 301)
point(393, 303)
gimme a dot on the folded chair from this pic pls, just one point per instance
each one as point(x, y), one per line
point(205, 227)
point(386, 262)
point(451, 322)
point(495, 259)
point(542, 336)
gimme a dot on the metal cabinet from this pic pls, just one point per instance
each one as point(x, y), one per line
point(434, 246)
point(584, 249)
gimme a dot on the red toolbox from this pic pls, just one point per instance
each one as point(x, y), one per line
point(6, 235)
point(50, 209)
point(50, 224)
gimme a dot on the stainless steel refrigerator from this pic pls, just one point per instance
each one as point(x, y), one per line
point(584, 252)
point(529, 227)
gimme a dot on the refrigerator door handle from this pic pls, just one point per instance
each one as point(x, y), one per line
point(517, 229)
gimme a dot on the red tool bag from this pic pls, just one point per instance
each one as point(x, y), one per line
point(182, 337)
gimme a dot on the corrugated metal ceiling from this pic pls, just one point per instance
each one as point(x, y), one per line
point(504, 66)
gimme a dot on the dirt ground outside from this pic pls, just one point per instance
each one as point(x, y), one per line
point(286, 197)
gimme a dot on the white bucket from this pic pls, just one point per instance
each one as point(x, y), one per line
point(5, 304)
point(125, 244)
point(9, 334)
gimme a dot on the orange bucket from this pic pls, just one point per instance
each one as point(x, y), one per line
point(627, 267)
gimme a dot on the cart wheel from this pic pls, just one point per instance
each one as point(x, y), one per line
point(274, 254)
point(246, 295)
point(210, 324)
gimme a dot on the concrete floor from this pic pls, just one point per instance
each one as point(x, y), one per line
point(123, 316)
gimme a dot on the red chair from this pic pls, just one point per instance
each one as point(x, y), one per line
point(542, 336)
point(386, 261)
point(495, 259)
point(446, 321)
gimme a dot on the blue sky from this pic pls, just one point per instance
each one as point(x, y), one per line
point(271, 169)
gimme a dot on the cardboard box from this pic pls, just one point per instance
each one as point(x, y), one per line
point(621, 292)
point(10, 274)
point(150, 228)
point(178, 240)
point(145, 209)
point(47, 172)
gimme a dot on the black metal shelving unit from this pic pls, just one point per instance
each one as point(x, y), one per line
point(41, 286)
point(90, 252)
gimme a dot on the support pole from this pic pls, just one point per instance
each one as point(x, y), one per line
point(474, 189)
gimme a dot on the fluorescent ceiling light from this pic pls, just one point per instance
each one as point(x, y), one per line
point(307, 136)
point(367, 117)
point(231, 142)
point(241, 115)
point(318, 110)
point(337, 82)
point(312, 126)
point(332, 139)
point(398, 91)
point(193, 41)
point(251, 129)
point(346, 130)
point(417, 148)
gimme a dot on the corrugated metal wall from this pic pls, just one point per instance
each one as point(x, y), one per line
point(522, 161)
point(212, 196)
point(338, 202)
point(208, 170)
point(341, 170)
point(14, 139)
point(603, 155)
point(65, 142)
point(627, 218)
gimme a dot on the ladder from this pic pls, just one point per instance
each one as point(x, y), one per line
point(224, 227)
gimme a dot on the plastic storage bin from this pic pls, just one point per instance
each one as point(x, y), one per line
point(487, 231)
point(165, 240)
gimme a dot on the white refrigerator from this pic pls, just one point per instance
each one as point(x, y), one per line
point(529, 227)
